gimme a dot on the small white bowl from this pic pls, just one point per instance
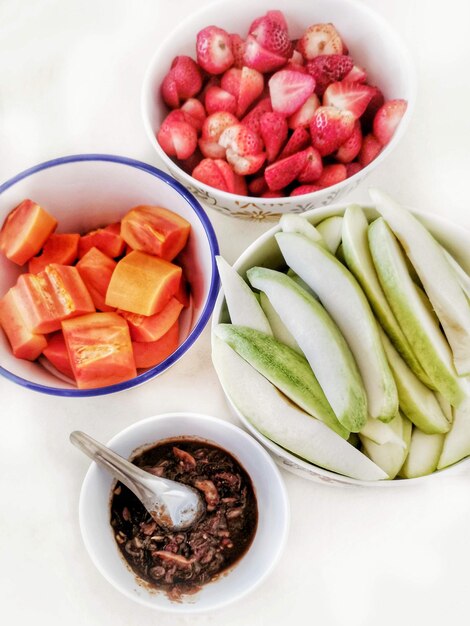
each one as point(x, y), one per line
point(372, 43)
point(265, 252)
point(87, 191)
point(271, 496)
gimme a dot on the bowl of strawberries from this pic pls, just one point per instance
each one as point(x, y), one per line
point(277, 109)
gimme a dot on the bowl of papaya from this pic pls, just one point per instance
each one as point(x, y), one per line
point(427, 432)
point(107, 274)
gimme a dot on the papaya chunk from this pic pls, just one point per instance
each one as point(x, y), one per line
point(151, 353)
point(24, 343)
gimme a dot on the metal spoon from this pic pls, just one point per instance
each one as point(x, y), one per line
point(171, 504)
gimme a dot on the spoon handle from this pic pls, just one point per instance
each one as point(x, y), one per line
point(130, 475)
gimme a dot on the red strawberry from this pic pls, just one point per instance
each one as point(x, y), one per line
point(238, 47)
point(374, 105)
point(241, 140)
point(177, 138)
point(239, 185)
point(304, 115)
point(352, 97)
point(230, 81)
point(299, 140)
point(245, 165)
point(330, 128)
point(320, 39)
point(299, 191)
point(284, 171)
point(271, 35)
point(183, 81)
point(251, 119)
point(278, 17)
point(258, 58)
point(251, 87)
point(215, 124)
point(258, 185)
point(349, 150)
point(353, 168)
point(194, 113)
point(356, 75)
point(214, 50)
point(313, 167)
point(289, 90)
point(215, 173)
point(387, 119)
point(273, 131)
point(370, 149)
point(217, 99)
point(327, 69)
point(211, 149)
point(332, 174)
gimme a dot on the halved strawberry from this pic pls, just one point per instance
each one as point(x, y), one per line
point(349, 150)
point(214, 50)
point(374, 105)
point(251, 87)
point(245, 165)
point(273, 131)
point(241, 140)
point(327, 69)
point(284, 171)
point(230, 81)
point(320, 39)
point(251, 119)
point(370, 149)
point(238, 47)
point(304, 115)
point(356, 75)
point(217, 99)
point(332, 175)
point(302, 189)
point(257, 57)
point(215, 173)
point(183, 81)
point(194, 113)
point(313, 167)
point(352, 97)
point(299, 140)
point(330, 128)
point(387, 119)
point(211, 149)
point(289, 90)
point(177, 138)
point(215, 124)
point(272, 35)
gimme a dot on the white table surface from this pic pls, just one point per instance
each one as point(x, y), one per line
point(70, 77)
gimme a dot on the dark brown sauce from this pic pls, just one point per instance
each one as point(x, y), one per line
point(180, 562)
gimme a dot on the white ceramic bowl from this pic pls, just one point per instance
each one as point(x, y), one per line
point(265, 252)
point(372, 43)
point(90, 190)
point(273, 512)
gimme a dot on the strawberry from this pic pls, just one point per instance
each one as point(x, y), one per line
point(352, 97)
point(177, 138)
point(231, 80)
point(387, 119)
point(215, 124)
point(258, 58)
point(369, 150)
point(217, 99)
point(273, 194)
point(241, 140)
point(272, 35)
point(313, 167)
point(278, 17)
point(238, 47)
point(289, 90)
point(245, 165)
point(251, 87)
point(327, 69)
point(304, 115)
point(273, 131)
point(300, 191)
point(251, 119)
point(330, 128)
point(284, 171)
point(320, 39)
point(356, 75)
point(353, 168)
point(214, 50)
point(239, 185)
point(215, 173)
point(299, 140)
point(374, 105)
point(183, 81)
point(258, 186)
point(194, 113)
point(211, 149)
point(332, 175)
point(349, 150)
